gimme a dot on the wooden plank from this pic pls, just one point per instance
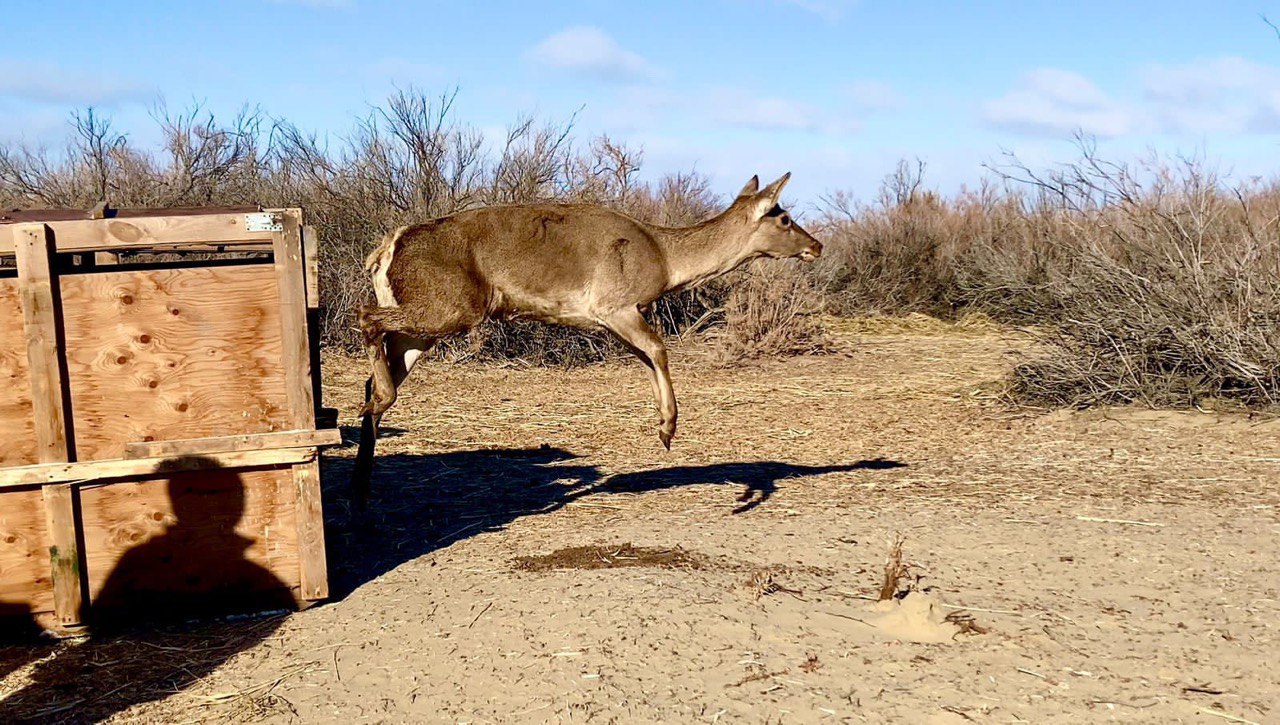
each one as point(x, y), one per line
point(38, 292)
point(228, 444)
point(64, 554)
point(191, 543)
point(17, 423)
point(311, 268)
point(46, 473)
point(53, 215)
point(313, 568)
point(147, 232)
point(296, 351)
point(169, 354)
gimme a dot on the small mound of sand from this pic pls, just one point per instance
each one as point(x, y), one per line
point(916, 617)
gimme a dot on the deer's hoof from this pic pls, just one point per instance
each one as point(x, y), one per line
point(665, 436)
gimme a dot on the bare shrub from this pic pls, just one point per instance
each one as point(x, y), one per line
point(773, 311)
point(1172, 291)
point(1152, 282)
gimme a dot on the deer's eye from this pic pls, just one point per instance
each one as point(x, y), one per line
point(785, 220)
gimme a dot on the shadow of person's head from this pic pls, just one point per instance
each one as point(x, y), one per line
point(201, 491)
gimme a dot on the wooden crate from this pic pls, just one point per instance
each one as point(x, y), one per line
point(158, 440)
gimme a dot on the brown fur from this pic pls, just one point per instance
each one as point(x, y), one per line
point(577, 265)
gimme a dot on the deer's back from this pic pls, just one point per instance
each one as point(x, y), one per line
point(536, 259)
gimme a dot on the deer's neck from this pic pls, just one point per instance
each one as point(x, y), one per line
point(706, 251)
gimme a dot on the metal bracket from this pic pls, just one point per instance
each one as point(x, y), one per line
point(264, 221)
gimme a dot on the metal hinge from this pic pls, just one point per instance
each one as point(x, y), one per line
point(264, 221)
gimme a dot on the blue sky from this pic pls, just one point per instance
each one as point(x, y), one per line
point(833, 90)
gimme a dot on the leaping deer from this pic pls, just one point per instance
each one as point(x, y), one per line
point(571, 264)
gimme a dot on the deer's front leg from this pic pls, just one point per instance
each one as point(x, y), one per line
point(630, 327)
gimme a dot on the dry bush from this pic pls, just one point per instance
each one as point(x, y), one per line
point(772, 312)
point(1172, 291)
point(1152, 282)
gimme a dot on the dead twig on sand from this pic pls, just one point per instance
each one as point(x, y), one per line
point(1129, 522)
point(894, 571)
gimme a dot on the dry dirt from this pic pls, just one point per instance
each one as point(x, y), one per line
point(534, 555)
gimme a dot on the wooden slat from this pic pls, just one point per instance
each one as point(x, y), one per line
point(231, 444)
point(64, 554)
point(311, 555)
point(311, 268)
point(158, 355)
point(38, 292)
point(296, 352)
point(92, 471)
point(148, 232)
point(58, 215)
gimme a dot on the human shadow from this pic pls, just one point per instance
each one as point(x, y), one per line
point(143, 645)
point(422, 503)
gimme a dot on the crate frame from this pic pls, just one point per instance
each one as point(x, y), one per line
point(41, 242)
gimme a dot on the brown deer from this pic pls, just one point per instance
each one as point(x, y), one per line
point(571, 264)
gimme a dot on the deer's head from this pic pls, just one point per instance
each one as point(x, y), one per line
point(772, 231)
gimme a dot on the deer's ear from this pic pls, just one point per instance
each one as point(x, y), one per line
point(751, 188)
point(774, 190)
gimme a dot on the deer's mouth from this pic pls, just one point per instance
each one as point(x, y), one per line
point(810, 254)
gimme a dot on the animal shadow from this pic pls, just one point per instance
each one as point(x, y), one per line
point(422, 503)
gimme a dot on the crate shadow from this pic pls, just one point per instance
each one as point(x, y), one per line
point(422, 503)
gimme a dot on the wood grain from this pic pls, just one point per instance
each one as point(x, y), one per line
point(38, 295)
point(46, 473)
point(295, 349)
point(229, 444)
point(25, 576)
point(17, 425)
point(64, 554)
point(177, 353)
point(313, 569)
point(147, 232)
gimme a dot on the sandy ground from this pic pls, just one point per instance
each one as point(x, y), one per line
point(732, 579)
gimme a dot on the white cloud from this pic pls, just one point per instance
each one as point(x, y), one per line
point(872, 95)
point(591, 52)
point(1228, 94)
point(1050, 101)
point(49, 83)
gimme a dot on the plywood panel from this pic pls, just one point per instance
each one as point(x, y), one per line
point(17, 430)
point(176, 353)
point(25, 580)
point(222, 538)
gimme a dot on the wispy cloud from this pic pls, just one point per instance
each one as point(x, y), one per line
point(827, 9)
point(318, 4)
point(872, 95)
point(591, 52)
point(738, 107)
point(50, 83)
point(1050, 101)
point(1228, 94)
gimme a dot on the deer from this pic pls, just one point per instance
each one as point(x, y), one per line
point(578, 265)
